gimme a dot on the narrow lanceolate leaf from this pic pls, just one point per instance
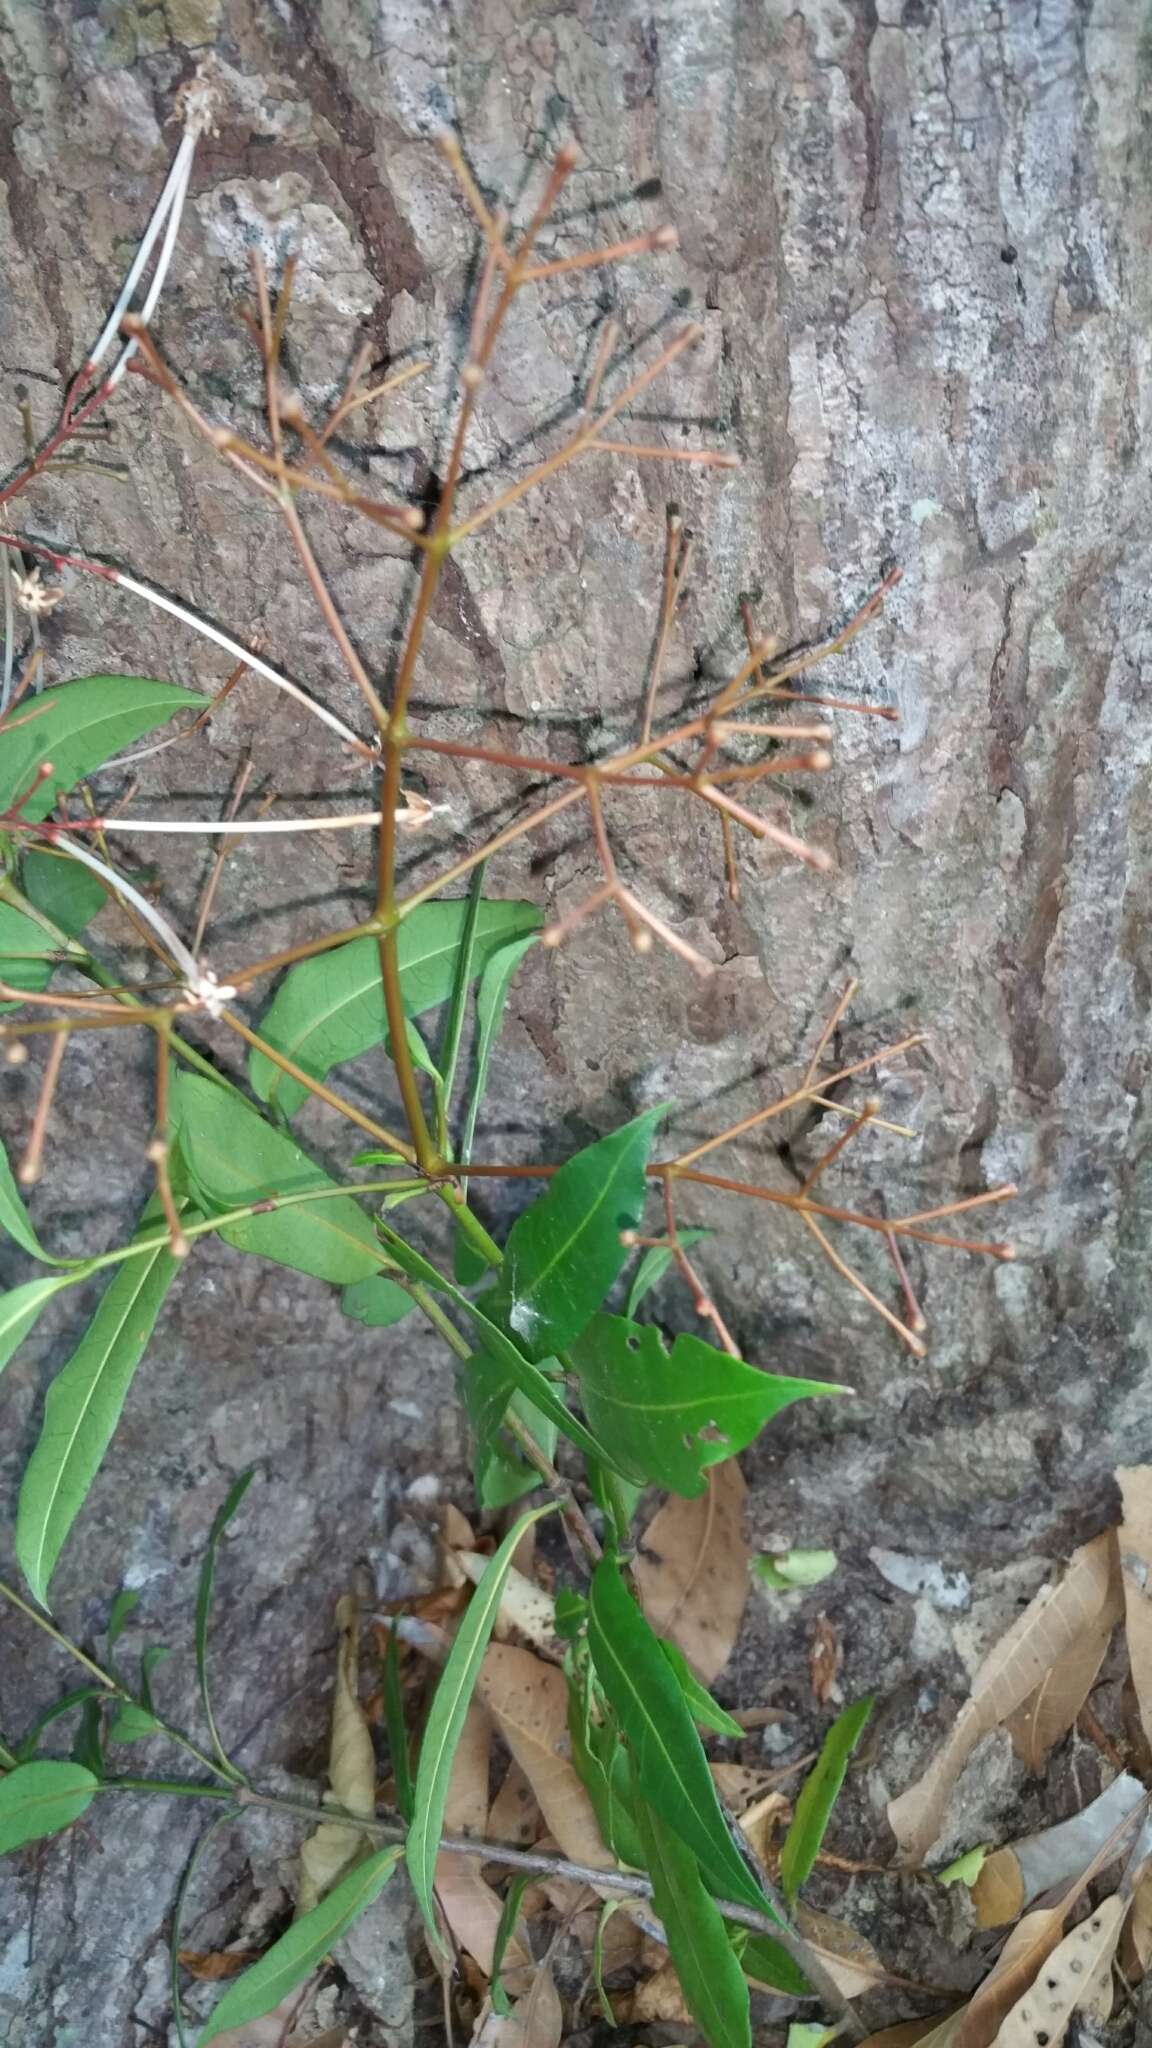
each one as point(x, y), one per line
point(670, 1415)
point(28, 1745)
point(82, 1409)
point(504, 1356)
point(332, 1008)
point(298, 1952)
point(223, 1516)
point(671, 1767)
point(29, 956)
point(446, 1720)
point(40, 1799)
point(82, 725)
point(655, 1264)
point(491, 997)
point(714, 1985)
point(234, 1157)
point(705, 1711)
point(14, 1217)
point(819, 1795)
point(564, 1253)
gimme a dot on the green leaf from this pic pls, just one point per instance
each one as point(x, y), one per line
point(571, 1614)
point(446, 1720)
point(396, 1727)
point(66, 891)
point(83, 724)
point(600, 1761)
point(818, 1796)
point(491, 997)
point(505, 1929)
point(489, 1393)
point(670, 1415)
point(14, 1217)
point(123, 1608)
point(811, 2034)
point(714, 1985)
point(786, 1570)
point(377, 1301)
point(518, 1370)
point(331, 1008)
point(671, 1766)
point(88, 1743)
point(19, 1309)
point(133, 1723)
point(29, 956)
point(40, 1799)
point(655, 1264)
point(26, 1748)
point(83, 1407)
point(235, 1157)
point(463, 972)
point(564, 1253)
point(705, 1711)
point(766, 1962)
point(223, 1516)
point(293, 1958)
point(966, 1869)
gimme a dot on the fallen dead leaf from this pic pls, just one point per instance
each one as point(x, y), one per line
point(214, 1966)
point(824, 1659)
point(1012, 1671)
point(1012, 1877)
point(761, 1823)
point(850, 1960)
point(1048, 1713)
point(657, 1998)
point(515, 1817)
point(692, 1571)
point(468, 1902)
point(274, 2028)
point(535, 2021)
point(1070, 1979)
point(912, 2034)
point(525, 1609)
point(528, 1699)
point(1136, 1939)
point(1135, 1543)
point(332, 1847)
point(739, 1785)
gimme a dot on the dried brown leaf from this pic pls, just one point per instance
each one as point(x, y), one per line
point(330, 1850)
point(1136, 1939)
point(469, 1904)
point(824, 1659)
point(692, 1571)
point(1071, 1978)
point(1048, 1713)
point(1055, 1620)
point(850, 1960)
point(1135, 1542)
point(535, 2021)
point(515, 1817)
point(528, 1699)
point(525, 1609)
point(998, 1893)
point(929, 2033)
point(214, 1965)
point(658, 1998)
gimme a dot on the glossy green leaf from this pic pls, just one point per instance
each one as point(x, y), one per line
point(299, 1951)
point(705, 1711)
point(83, 1406)
point(88, 1742)
point(671, 1766)
point(39, 1799)
point(714, 1985)
point(133, 1723)
point(27, 1746)
point(564, 1253)
point(221, 1519)
point(66, 891)
point(446, 1720)
point(600, 1761)
point(19, 1309)
point(518, 1371)
point(505, 1929)
point(377, 1301)
point(655, 1264)
point(670, 1415)
point(490, 1391)
point(14, 1217)
point(571, 1613)
point(464, 970)
point(818, 1796)
point(83, 725)
point(331, 1008)
point(235, 1157)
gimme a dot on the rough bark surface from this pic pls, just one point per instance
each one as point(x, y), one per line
point(916, 234)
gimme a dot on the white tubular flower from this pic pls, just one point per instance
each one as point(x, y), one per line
point(208, 994)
